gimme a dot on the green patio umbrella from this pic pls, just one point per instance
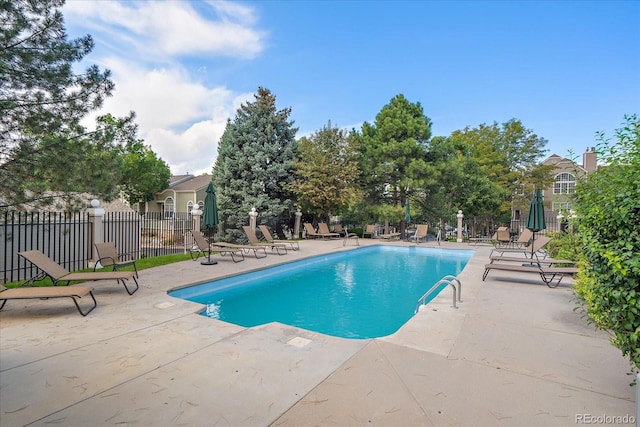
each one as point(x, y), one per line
point(535, 220)
point(210, 218)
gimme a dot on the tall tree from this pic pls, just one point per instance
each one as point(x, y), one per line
point(142, 173)
point(458, 182)
point(509, 155)
point(254, 166)
point(326, 171)
point(394, 150)
point(41, 99)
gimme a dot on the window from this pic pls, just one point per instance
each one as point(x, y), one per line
point(561, 207)
point(189, 207)
point(168, 207)
point(565, 183)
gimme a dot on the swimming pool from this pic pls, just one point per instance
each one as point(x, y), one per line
point(363, 293)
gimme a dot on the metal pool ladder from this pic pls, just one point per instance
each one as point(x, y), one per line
point(449, 279)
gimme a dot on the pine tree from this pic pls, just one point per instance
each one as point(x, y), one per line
point(254, 167)
point(41, 99)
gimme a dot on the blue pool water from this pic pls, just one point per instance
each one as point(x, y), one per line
point(364, 293)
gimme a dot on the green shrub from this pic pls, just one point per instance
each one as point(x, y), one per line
point(608, 225)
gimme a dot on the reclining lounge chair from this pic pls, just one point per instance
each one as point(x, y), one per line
point(108, 256)
point(323, 229)
point(551, 276)
point(60, 275)
point(279, 248)
point(75, 292)
point(312, 234)
point(421, 233)
point(203, 247)
point(538, 249)
point(269, 238)
point(370, 229)
point(245, 248)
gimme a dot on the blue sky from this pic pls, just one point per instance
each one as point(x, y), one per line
point(565, 69)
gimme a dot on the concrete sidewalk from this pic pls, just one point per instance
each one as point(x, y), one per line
point(514, 354)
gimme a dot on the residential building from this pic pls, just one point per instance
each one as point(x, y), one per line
point(557, 198)
point(185, 193)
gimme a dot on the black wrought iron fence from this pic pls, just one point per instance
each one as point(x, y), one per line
point(60, 235)
point(68, 238)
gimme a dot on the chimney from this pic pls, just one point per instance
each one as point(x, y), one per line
point(590, 160)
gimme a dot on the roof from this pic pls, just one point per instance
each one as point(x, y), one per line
point(189, 182)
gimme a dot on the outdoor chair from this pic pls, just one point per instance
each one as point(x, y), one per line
point(75, 292)
point(536, 248)
point(202, 248)
point(323, 229)
point(313, 234)
point(502, 237)
point(370, 229)
point(421, 233)
point(60, 275)
point(108, 256)
point(294, 245)
point(524, 239)
point(551, 276)
point(279, 248)
point(337, 228)
point(245, 248)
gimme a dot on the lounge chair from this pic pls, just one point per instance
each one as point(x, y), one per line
point(370, 230)
point(312, 234)
point(337, 228)
point(75, 292)
point(502, 237)
point(323, 229)
point(294, 245)
point(421, 232)
point(279, 248)
point(524, 239)
point(59, 274)
point(108, 256)
point(537, 248)
point(542, 261)
point(245, 248)
point(551, 276)
point(389, 236)
point(202, 247)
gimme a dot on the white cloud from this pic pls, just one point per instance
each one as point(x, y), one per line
point(156, 28)
point(181, 119)
point(179, 116)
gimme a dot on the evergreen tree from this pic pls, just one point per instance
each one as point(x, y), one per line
point(254, 167)
point(394, 156)
point(41, 100)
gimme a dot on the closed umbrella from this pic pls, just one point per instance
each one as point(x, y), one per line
point(210, 218)
point(535, 220)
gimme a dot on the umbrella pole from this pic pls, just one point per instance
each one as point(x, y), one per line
point(209, 261)
point(533, 240)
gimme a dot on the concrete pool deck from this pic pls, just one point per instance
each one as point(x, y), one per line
point(515, 353)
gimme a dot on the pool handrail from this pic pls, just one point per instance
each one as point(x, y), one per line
point(448, 279)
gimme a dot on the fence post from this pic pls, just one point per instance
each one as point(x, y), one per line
point(96, 235)
point(459, 216)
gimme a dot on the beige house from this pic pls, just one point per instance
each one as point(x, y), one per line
point(557, 198)
point(185, 193)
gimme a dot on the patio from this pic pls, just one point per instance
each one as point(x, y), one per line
point(515, 354)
